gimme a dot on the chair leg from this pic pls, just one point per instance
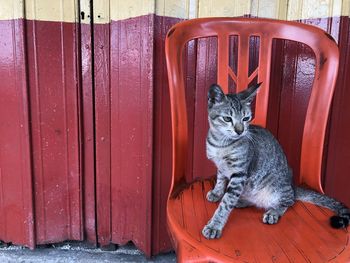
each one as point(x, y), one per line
point(187, 253)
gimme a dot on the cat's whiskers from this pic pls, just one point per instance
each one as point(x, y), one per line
point(225, 140)
point(251, 138)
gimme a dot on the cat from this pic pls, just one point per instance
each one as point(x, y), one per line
point(252, 169)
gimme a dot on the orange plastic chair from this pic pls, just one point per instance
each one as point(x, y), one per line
point(304, 233)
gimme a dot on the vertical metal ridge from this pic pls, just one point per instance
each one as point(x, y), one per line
point(150, 130)
point(26, 179)
point(39, 131)
point(4, 224)
point(119, 137)
point(20, 182)
point(72, 135)
point(147, 180)
point(77, 69)
point(26, 126)
point(157, 168)
point(65, 132)
point(290, 108)
point(108, 69)
point(14, 56)
point(292, 98)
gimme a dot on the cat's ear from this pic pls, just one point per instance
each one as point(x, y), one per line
point(215, 95)
point(249, 94)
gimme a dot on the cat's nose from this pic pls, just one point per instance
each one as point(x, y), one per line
point(239, 128)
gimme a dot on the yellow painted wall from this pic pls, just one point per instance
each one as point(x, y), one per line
point(106, 10)
point(47, 10)
point(11, 9)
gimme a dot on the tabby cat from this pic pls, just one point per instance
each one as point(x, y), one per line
point(252, 169)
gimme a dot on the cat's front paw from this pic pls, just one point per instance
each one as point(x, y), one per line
point(213, 196)
point(210, 231)
point(271, 217)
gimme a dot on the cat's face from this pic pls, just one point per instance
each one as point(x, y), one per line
point(229, 115)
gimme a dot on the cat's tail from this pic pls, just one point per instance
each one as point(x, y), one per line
point(340, 220)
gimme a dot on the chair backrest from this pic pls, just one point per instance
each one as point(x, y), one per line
point(326, 67)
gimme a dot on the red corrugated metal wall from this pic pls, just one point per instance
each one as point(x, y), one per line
point(338, 156)
point(124, 116)
point(40, 132)
point(16, 199)
point(162, 138)
point(85, 126)
point(53, 79)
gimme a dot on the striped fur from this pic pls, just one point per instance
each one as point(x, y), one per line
point(252, 169)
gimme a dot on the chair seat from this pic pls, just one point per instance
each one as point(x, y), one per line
point(303, 234)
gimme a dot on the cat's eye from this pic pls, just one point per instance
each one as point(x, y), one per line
point(246, 118)
point(227, 119)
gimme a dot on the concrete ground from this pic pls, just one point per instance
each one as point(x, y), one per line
point(77, 252)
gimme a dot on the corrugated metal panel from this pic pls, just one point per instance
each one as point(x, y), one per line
point(53, 70)
point(132, 130)
point(40, 58)
point(162, 138)
point(124, 113)
point(338, 165)
point(206, 74)
point(297, 75)
point(16, 197)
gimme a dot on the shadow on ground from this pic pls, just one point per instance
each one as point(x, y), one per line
point(78, 252)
